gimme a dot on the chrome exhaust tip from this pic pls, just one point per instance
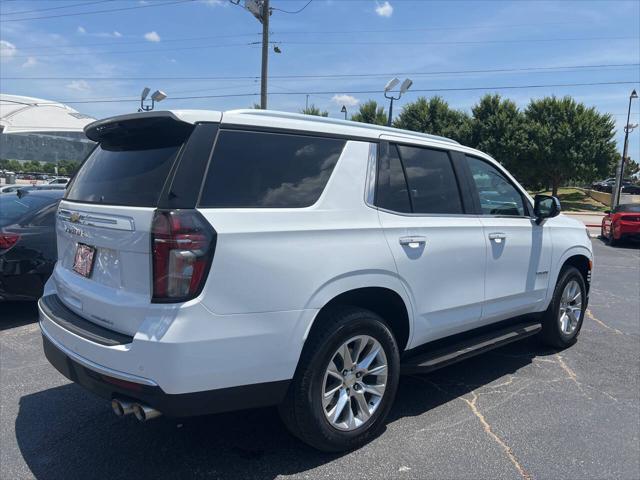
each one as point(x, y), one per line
point(121, 407)
point(144, 412)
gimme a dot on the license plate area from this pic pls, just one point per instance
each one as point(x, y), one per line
point(83, 260)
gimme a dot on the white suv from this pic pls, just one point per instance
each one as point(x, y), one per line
point(216, 261)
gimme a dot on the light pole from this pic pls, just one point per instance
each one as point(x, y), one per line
point(615, 197)
point(390, 86)
point(344, 110)
point(157, 96)
point(260, 9)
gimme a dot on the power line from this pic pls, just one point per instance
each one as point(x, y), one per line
point(75, 14)
point(295, 11)
point(83, 4)
point(289, 43)
point(137, 42)
point(326, 32)
point(353, 92)
point(338, 76)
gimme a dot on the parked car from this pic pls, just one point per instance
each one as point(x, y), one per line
point(27, 243)
point(621, 223)
point(10, 188)
point(599, 186)
point(631, 188)
point(213, 262)
point(58, 181)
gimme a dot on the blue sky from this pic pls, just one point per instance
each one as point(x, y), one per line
point(114, 54)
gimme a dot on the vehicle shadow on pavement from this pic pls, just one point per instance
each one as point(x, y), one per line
point(67, 433)
point(17, 314)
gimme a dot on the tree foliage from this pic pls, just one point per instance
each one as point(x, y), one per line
point(370, 112)
point(568, 141)
point(313, 110)
point(434, 116)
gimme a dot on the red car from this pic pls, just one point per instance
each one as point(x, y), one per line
point(623, 222)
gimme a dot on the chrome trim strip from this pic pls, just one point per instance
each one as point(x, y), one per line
point(372, 167)
point(92, 365)
point(114, 222)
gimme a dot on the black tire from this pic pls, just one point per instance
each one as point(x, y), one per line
point(302, 410)
point(552, 333)
point(612, 242)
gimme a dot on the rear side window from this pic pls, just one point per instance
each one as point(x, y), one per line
point(432, 183)
point(257, 170)
point(392, 192)
point(117, 176)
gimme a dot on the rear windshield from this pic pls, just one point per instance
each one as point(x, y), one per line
point(13, 208)
point(117, 176)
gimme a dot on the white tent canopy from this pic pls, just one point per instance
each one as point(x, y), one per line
point(35, 115)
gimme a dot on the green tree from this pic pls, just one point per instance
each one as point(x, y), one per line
point(498, 128)
point(568, 141)
point(370, 112)
point(631, 167)
point(313, 110)
point(436, 117)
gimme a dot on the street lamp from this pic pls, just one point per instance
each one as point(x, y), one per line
point(406, 85)
point(156, 96)
point(615, 197)
point(344, 110)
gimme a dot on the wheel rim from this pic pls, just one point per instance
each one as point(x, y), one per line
point(354, 383)
point(570, 307)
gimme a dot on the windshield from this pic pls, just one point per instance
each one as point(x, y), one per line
point(13, 208)
point(628, 207)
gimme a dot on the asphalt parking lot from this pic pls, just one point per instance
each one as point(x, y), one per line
point(518, 412)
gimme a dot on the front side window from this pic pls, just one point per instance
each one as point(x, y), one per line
point(497, 194)
point(258, 170)
point(432, 183)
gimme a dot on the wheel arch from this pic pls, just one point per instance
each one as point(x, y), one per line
point(386, 302)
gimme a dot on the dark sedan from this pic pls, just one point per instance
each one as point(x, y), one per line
point(27, 242)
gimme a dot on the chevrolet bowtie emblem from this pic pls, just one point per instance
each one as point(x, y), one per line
point(75, 217)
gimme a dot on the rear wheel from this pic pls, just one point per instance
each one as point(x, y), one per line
point(562, 321)
point(345, 383)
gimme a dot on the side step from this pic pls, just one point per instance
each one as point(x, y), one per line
point(461, 350)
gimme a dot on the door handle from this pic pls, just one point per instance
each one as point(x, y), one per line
point(413, 241)
point(497, 237)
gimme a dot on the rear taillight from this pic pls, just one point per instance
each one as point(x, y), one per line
point(8, 240)
point(183, 243)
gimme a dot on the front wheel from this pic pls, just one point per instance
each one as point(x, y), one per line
point(345, 383)
point(562, 321)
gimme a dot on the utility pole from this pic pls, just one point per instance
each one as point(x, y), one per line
point(615, 193)
point(265, 54)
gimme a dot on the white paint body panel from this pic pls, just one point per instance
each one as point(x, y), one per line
point(274, 269)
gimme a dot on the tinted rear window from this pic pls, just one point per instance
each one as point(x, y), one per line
point(255, 169)
point(118, 176)
point(14, 208)
point(432, 182)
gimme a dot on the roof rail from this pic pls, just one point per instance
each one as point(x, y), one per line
point(336, 121)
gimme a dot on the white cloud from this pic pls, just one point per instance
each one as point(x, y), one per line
point(152, 36)
point(117, 34)
point(82, 30)
point(31, 61)
point(7, 50)
point(346, 100)
point(384, 10)
point(78, 86)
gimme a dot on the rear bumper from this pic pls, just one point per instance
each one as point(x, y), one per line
point(190, 363)
point(110, 384)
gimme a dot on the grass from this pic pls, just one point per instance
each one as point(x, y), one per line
point(576, 200)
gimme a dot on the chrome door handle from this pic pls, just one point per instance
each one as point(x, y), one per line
point(497, 237)
point(413, 241)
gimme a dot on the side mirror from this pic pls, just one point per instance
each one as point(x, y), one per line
point(545, 206)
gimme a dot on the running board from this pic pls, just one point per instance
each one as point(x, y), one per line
point(456, 352)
